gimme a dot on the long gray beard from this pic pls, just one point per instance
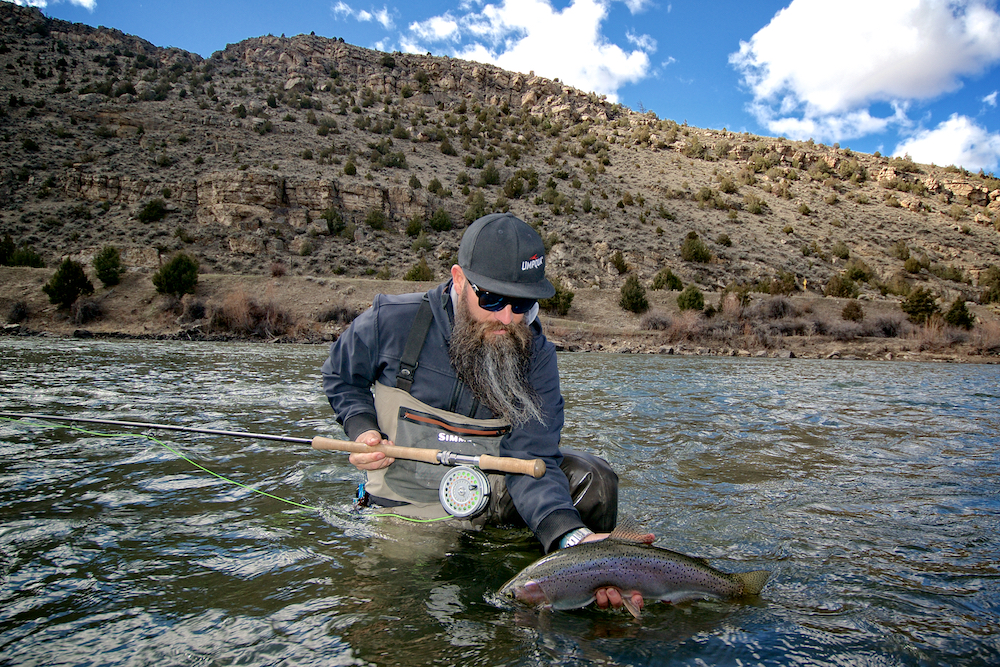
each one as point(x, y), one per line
point(495, 367)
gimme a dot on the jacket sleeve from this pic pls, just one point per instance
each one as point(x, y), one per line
point(545, 503)
point(351, 370)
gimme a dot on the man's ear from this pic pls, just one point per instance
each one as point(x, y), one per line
point(458, 277)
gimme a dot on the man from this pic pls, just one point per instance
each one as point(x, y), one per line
point(467, 364)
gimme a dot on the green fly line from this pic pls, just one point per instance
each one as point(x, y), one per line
point(173, 451)
point(194, 463)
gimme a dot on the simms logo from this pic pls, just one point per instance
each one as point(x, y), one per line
point(533, 263)
point(448, 437)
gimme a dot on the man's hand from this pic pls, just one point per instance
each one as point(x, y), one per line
point(371, 460)
point(611, 596)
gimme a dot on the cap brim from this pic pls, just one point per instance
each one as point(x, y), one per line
point(540, 290)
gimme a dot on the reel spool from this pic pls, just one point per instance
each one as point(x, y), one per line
point(464, 491)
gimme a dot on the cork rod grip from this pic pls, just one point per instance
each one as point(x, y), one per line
point(408, 453)
point(532, 467)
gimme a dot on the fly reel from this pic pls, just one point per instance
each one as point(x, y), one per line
point(464, 491)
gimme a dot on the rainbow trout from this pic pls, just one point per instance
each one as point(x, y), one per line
point(568, 578)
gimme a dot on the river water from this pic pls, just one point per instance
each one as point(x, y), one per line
point(870, 489)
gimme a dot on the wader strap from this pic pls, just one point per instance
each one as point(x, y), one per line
point(414, 343)
point(456, 393)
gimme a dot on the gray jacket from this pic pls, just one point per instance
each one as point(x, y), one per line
point(370, 350)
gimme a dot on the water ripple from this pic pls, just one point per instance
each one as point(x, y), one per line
point(869, 489)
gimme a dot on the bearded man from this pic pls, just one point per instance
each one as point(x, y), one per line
point(465, 367)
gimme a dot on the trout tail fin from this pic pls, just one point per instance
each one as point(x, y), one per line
point(754, 581)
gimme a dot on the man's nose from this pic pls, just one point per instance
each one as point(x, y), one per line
point(505, 316)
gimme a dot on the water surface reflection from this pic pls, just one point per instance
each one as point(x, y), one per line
point(868, 488)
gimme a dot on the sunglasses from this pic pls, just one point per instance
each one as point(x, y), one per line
point(496, 302)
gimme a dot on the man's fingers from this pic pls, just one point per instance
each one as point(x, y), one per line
point(614, 597)
point(372, 461)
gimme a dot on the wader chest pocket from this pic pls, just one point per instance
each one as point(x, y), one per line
point(427, 431)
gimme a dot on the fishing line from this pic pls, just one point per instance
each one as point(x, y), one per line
point(172, 450)
point(181, 456)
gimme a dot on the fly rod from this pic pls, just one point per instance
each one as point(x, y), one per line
point(533, 467)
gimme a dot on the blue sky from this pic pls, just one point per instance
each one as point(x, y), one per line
point(895, 76)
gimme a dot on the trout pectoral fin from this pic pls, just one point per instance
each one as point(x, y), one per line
point(632, 607)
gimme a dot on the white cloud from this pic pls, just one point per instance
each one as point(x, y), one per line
point(531, 35)
point(638, 6)
point(343, 10)
point(643, 42)
point(436, 29)
point(89, 5)
point(958, 141)
point(991, 99)
point(822, 64)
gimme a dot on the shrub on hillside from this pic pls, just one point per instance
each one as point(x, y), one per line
point(853, 312)
point(959, 316)
point(691, 299)
point(153, 211)
point(858, 271)
point(775, 308)
point(340, 313)
point(618, 261)
point(841, 286)
point(886, 326)
point(177, 277)
point(67, 284)
point(240, 314)
point(560, 302)
point(85, 310)
point(440, 221)
point(665, 279)
point(900, 250)
point(633, 295)
point(18, 313)
point(11, 255)
point(990, 279)
point(375, 218)
point(920, 305)
point(334, 221)
point(655, 322)
point(476, 206)
point(693, 249)
point(108, 266)
point(7, 248)
point(420, 271)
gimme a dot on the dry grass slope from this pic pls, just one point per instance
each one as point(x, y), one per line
point(337, 163)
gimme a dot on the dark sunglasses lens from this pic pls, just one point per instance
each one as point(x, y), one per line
point(490, 301)
point(521, 306)
point(497, 302)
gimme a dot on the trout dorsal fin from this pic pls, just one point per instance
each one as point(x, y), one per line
point(629, 530)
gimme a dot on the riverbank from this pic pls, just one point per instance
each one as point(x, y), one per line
point(306, 309)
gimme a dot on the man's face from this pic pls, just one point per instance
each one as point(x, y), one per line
point(491, 353)
point(505, 316)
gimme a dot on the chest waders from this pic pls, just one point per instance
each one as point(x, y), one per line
point(411, 487)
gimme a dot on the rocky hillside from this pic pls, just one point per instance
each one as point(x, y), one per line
point(326, 159)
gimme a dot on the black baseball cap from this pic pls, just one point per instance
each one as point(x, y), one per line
point(503, 254)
